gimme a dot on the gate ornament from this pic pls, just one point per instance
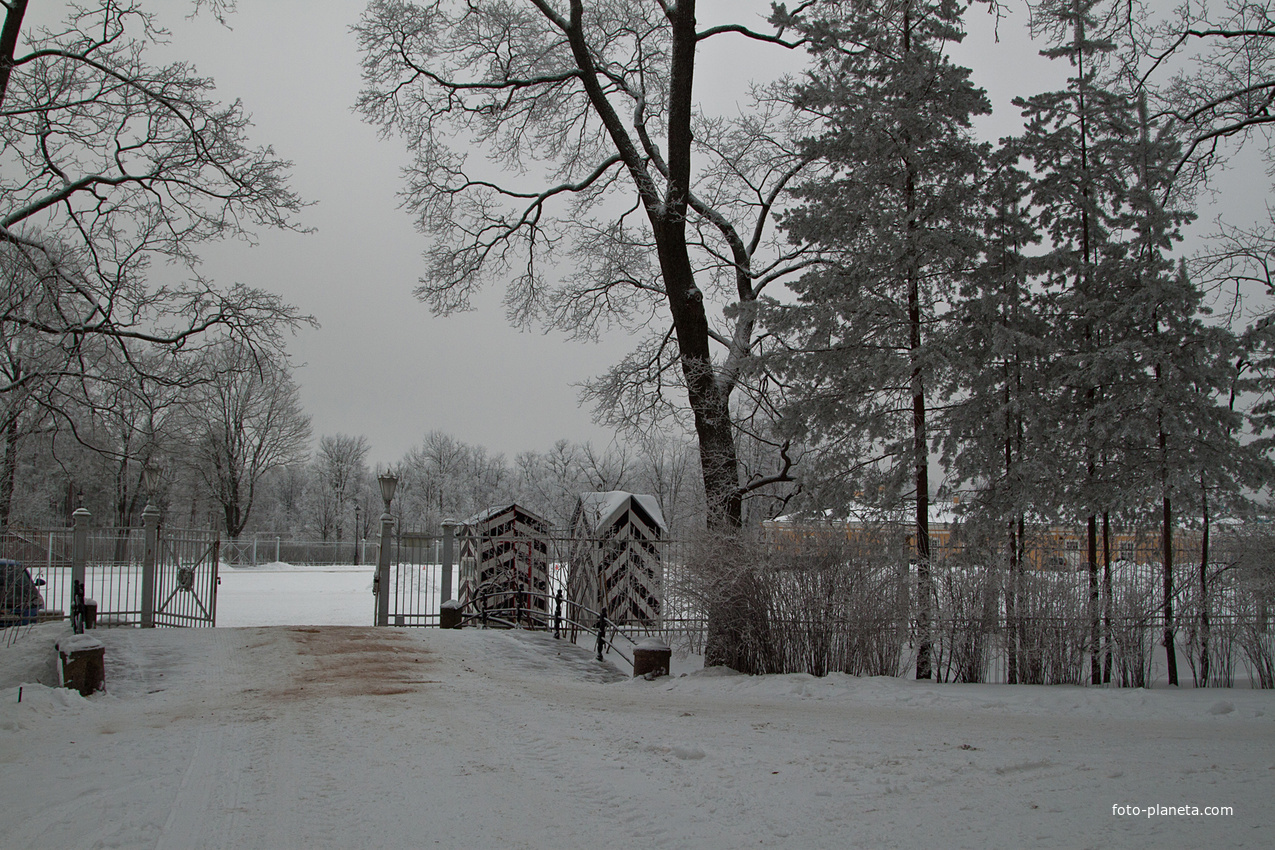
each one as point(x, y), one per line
point(186, 578)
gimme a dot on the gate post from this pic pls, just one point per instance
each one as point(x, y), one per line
point(383, 570)
point(79, 544)
point(449, 555)
point(150, 521)
point(381, 585)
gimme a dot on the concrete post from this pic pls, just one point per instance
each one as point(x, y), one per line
point(383, 571)
point(150, 522)
point(449, 558)
point(80, 544)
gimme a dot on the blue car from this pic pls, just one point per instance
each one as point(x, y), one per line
point(20, 599)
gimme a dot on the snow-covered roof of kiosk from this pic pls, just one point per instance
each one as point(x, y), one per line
point(484, 515)
point(601, 509)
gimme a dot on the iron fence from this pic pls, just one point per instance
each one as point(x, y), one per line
point(113, 566)
point(113, 575)
point(268, 549)
point(416, 580)
point(854, 606)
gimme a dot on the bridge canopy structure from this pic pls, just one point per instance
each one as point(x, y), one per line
point(616, 560)
point(504, 562)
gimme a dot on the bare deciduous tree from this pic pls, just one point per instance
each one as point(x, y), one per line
point(245, 421)
point(341, 467)
point(662, 209)
point(107, 163)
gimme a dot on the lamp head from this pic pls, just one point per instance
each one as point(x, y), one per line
point(389, 483)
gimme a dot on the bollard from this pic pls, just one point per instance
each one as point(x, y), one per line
point(83, 663)
point(449, 615)
point(651, 658)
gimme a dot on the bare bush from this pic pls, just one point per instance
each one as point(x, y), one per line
point(1131, 639)
point(1248, 555)
point(721, 580)
point(1210, 629)
point(818, 605)
point(1052, 623)
point(967, 612)
point(1254, 634)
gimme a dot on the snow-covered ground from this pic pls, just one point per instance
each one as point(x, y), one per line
point(317, 736)
point(285, 595)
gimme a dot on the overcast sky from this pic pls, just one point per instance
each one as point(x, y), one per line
point(381, 365)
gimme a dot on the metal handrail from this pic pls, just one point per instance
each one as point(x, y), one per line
point(559, 620)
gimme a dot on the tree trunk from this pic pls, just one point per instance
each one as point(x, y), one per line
point(1106, 596)
point(9, 41)
point(709, 399)
point(738, 619)
point(1095, 618)
point(710, 406)
point(1170, 650)
point(1205, 625)
point(8, 470)
point(921, 468)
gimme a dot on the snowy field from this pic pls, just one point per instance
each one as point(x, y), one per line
point(318, 731)
point(284, 595)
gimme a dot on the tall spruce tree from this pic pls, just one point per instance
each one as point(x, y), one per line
point(999, 360)
point(865, 357)
point(1137, 375)
point(1073, 141)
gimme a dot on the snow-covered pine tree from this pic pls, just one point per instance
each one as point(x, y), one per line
point(866, 353)
point(998, 360)
point(1137, 374)
point(1175, 426)
point(1071, 140)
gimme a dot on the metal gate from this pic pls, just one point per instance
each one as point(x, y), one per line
point(416, 579)
point(186, 578)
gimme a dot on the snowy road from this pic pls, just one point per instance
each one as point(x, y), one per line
point(347, 737)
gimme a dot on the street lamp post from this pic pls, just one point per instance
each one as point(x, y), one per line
point(381, 585)
point(150, 524)
point(356, 534)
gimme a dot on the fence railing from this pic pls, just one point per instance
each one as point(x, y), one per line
point(854, 606)
point(169, 581)
point(258, 550)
